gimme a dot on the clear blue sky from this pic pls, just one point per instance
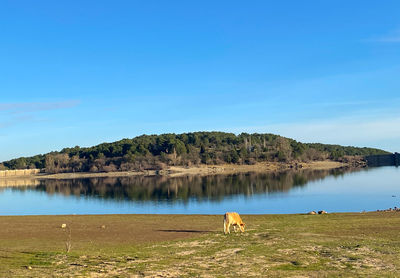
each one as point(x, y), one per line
point(87, 72)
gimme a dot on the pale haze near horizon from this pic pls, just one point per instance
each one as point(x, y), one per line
point(83, 73)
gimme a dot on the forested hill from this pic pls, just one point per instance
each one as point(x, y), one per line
point(158, 151)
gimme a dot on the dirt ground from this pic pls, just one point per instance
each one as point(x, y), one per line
point(115, 229)
point(298, 245)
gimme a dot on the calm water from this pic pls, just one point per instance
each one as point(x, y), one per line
point(290, 192)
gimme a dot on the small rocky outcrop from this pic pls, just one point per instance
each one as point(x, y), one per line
point(389, 209)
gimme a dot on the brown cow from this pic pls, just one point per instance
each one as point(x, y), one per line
point(233, 218)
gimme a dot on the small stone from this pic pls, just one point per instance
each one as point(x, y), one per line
point(63, 226)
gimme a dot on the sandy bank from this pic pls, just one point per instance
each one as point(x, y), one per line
point(175, 171)
point(259, 167)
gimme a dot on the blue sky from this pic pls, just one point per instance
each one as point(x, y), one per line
point(87, 72)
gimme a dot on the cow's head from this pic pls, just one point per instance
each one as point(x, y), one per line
point(241, 226)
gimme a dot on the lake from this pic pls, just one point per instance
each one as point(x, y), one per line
point(252, 193)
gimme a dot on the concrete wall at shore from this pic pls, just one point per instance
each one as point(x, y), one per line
point(383, 160)
point(17, 173)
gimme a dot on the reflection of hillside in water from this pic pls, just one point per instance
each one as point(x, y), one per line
point(159, 188)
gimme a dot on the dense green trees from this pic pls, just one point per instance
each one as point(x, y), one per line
point(337, 151)
point(157, 151)
point(34, 162)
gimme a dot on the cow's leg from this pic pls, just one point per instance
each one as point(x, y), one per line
point(228, 228)
point(235, 228)
point(224, 226)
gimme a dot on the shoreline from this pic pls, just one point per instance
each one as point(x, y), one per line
point(176, 171)
point(168, 215)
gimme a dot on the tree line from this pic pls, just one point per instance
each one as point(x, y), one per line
point(156, 152)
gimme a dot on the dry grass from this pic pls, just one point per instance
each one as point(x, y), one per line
point(332, 245)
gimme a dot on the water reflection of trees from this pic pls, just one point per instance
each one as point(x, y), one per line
point(160, 188)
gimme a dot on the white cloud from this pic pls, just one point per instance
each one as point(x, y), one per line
point(16, 113)
point(344, 131)
point(37, 106)
point(388, 39)
point(393, 37)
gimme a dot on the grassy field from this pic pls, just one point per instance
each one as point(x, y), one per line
point(332, 245)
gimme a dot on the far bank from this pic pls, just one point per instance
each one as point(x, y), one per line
point(175, 171)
